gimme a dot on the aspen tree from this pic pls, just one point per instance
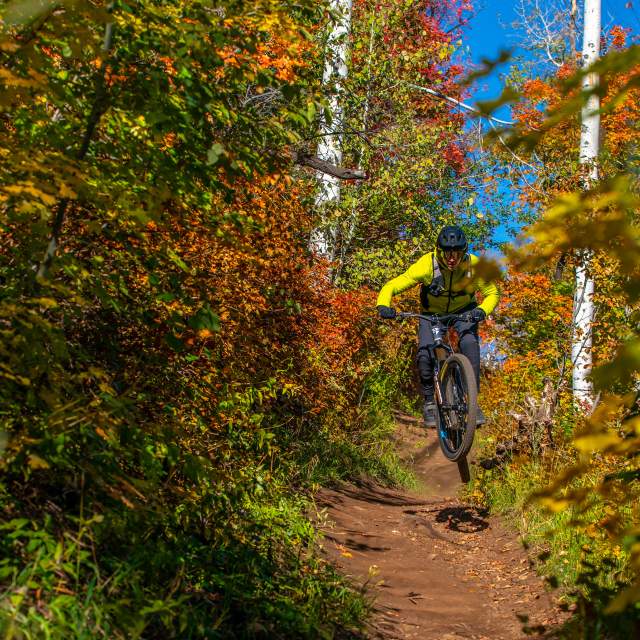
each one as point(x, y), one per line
point(323, 237)
point(583, 310)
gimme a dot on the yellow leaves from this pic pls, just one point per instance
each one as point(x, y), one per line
point(596, 442)
point(602, 431)
point(36, 462)
point(274, 21)
point(623, 600)
point(555, 505)
point(65, 191)
point(622, 367)
point(562, 480)
point(12, 80)
point(8, 375)
point(595, 219)
point(107, 388)
point(45, 303)
point(9, 47)
point(633, 425)
point(29, 189)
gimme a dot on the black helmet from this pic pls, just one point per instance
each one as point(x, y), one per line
point(452, 238)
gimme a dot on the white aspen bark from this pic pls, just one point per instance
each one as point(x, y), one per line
point(347, 235)
point(583, 309)
point(322, 241)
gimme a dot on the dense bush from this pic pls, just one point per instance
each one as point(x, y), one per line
point(176, 372)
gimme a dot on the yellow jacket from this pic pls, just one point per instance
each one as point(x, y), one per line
point(458, 291)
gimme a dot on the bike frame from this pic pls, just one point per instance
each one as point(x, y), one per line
point(455, 434)
point(440, 350)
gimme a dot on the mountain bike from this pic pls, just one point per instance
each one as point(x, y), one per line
point(456, 391)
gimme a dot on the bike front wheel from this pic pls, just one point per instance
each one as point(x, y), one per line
point(458, 408)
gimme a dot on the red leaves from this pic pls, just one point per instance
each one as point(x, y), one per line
point(455, 157)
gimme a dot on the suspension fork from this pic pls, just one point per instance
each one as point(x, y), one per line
point(436, 375)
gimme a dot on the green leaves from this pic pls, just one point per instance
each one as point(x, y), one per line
point(204, 319)
point(214, 153)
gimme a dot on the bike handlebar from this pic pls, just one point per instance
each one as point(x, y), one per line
point(403, 315)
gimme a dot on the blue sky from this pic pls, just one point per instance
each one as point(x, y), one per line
point(490, 31)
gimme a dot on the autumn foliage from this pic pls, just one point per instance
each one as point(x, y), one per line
point(573, 492)
point(180, 370)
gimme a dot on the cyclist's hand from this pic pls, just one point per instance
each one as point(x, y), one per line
point(387, 313)
point(477, 315)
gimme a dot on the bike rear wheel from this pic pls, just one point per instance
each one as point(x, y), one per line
point(458, 410)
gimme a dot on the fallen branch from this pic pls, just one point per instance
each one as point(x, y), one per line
point(535, 428)
point(323, 166)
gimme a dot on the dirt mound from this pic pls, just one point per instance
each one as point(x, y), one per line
point(436, 567)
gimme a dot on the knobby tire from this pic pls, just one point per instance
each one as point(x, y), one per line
point(457, 376)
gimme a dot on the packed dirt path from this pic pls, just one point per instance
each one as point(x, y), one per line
point(436, 567)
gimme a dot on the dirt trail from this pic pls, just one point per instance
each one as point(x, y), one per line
point(436, 567)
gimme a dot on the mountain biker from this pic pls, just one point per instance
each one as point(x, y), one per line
point(448, 285)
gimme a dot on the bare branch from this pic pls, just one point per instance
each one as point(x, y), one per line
point(457, 103)
point(323, 166)
point(549, 28)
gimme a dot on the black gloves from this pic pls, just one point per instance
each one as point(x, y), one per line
point(477, 315)
point(388, 313)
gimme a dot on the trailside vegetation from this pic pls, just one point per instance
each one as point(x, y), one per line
point(178, 372)
point(566, 475)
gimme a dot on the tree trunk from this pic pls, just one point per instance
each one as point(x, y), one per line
point(583, 311)
point(97, 110)
point(352, 223)
point(322, 241)
point(573, 27)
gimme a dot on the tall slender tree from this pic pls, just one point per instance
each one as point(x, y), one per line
point(332, 124)
point(583, 309)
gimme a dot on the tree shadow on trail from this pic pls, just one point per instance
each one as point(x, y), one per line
point(366, 490)
point(464, 519)
point(356, 545)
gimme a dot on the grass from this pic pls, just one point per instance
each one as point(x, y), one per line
point(572, 551)
point(337, 452)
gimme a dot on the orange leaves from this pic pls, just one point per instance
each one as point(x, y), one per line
point(533, 323)
point(230, 56)
point(283, 52)
point(558, 145)
point(167, 63)
point(538, 89)
point(168, 141)
point(275, 56)
point(618, 37)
